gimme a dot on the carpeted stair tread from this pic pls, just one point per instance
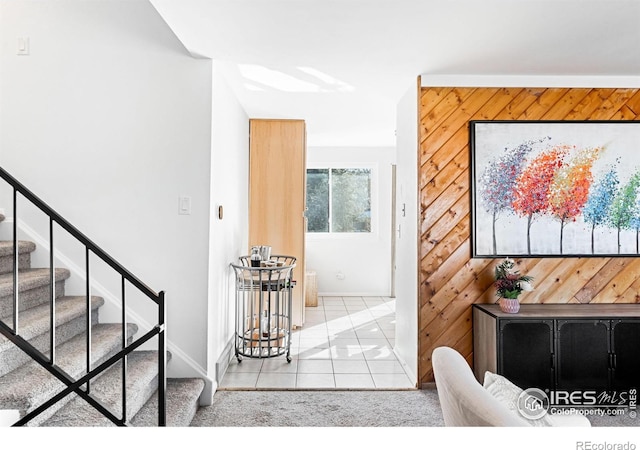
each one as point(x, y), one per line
point(142, 379)
point(25, 248)
point(29, 279)
point(6, 247)
point(182, 403)
point(34, 327)
point(33, 289)
point(31, 384)
point(35, 321)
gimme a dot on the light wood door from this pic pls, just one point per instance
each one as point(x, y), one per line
point(277, 195)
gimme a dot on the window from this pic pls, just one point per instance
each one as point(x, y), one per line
point(339, 200)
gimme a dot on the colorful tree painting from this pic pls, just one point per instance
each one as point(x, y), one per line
point(532, 187)
point(569, 190)
point(596, 210)
point(624, 209)
point(555, 188)
point(499, 178)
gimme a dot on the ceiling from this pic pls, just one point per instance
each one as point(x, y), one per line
point(343, 65)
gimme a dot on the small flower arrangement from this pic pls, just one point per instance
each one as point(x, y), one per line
point(509, 282)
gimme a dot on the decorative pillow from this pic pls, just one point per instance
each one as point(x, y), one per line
point(507, 393)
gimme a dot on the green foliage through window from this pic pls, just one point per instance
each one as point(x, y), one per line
point(339, 200)
point(318, 200)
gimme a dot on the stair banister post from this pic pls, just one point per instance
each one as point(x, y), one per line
point(124, 346)
point(16, 329)
point(162, 362)
point(88, 317)
point(52, 297)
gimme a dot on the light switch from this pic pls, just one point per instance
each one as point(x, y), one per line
point(23, 46)
point(184, 205)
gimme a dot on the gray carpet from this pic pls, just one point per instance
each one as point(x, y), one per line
point(321, 409)
point(419, 408)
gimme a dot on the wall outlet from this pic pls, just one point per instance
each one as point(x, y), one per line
point(340, 275)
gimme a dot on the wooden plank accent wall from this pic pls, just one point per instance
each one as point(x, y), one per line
point(450, 280)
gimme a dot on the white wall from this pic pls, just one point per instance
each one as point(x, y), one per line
point(363, 259)
point(229, 189)
point(109, 121)
point(407, 232)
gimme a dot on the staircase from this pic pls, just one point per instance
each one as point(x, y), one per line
point(25, 384)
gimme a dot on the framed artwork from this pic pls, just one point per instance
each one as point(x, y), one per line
point(555, 188)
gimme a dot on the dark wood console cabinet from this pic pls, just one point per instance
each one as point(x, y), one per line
point(560, 347)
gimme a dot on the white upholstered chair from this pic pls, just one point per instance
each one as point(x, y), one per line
point(465, 402)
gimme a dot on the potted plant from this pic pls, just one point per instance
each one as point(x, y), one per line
point(509, 284)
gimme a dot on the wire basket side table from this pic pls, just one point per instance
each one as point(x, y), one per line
point(263, 308)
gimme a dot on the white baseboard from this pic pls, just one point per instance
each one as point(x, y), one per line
point(412, 376)
point(225, 357)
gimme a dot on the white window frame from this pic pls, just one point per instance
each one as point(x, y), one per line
point(375, 206)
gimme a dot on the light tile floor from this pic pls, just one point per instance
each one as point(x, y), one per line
point(346, 343)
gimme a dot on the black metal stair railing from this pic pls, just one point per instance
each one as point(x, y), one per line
point(82, 385)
